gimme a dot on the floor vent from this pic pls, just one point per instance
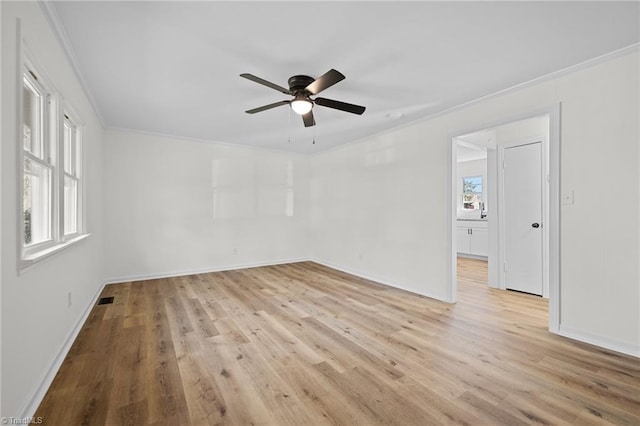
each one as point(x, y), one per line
point(105, 300)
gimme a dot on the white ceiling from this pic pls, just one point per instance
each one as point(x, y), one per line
point(173, 67)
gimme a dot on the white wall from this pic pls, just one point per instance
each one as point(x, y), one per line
point(378, 209)
point(175, 206)
point(379, 205)
point(36, 321)
point(523, 129)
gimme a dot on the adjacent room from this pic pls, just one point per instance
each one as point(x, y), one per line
point(349, 212)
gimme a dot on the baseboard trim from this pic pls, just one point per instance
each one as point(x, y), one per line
point(373, 278)
point(38, 395)
point(601, 341)
point(183, 272)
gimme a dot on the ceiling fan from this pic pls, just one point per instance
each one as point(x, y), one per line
point(302, 87)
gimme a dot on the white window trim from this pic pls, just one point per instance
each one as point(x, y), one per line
point(68, 113)
point(30, 259)
point(29, 256)
point(48, 114)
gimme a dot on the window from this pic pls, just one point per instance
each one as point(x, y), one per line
point(51, 170)
point(38, 169)
point(71, 155)
point(472, 193)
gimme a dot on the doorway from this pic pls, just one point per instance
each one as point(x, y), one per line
point(534, 271)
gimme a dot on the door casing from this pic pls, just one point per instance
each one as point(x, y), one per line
point(552, 219)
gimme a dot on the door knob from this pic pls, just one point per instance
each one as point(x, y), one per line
point(535, 225)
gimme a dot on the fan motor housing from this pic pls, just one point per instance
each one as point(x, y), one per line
point(298, 83)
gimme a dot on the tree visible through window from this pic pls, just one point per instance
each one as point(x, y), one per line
point(472, 192)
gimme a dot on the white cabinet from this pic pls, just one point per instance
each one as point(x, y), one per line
point(464, 239)
point(479, 242)
point(473, 237)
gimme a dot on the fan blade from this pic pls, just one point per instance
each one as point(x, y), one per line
point(308, 119)
point(325, 81)
point(266, 83)
point(266, 107)
point(342, 106)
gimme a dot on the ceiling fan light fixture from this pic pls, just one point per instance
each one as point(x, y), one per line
point(302, 87)
point(301, 105)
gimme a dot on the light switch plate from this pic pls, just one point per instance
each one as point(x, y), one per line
point(567, 197)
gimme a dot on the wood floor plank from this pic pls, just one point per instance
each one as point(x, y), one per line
point(202, 395)
point(165, 395)
point(303, 344)
point(386, 406)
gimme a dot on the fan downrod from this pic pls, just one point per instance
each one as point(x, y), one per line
point(298, 83)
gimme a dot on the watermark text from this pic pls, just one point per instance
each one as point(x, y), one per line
point(22, 420)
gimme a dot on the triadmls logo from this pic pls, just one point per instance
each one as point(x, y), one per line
point(22, 420)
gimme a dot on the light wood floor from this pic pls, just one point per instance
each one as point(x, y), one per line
point(302, 344)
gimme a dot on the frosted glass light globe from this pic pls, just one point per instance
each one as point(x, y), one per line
point(301, 106)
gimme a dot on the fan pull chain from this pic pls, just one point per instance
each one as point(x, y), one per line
point(314, 135)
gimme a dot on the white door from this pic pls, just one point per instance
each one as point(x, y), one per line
point(523, 217)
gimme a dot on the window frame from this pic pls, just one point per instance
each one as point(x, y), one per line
point(476, 193)
point(29, 74)
point(68, 116)
point(53, 112)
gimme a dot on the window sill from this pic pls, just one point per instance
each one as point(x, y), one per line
point(33, 258)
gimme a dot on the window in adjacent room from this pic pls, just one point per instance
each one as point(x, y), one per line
point(472, 193)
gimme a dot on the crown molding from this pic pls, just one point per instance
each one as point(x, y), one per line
point(58, 29)
point(174, 137)
point(633, 48)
